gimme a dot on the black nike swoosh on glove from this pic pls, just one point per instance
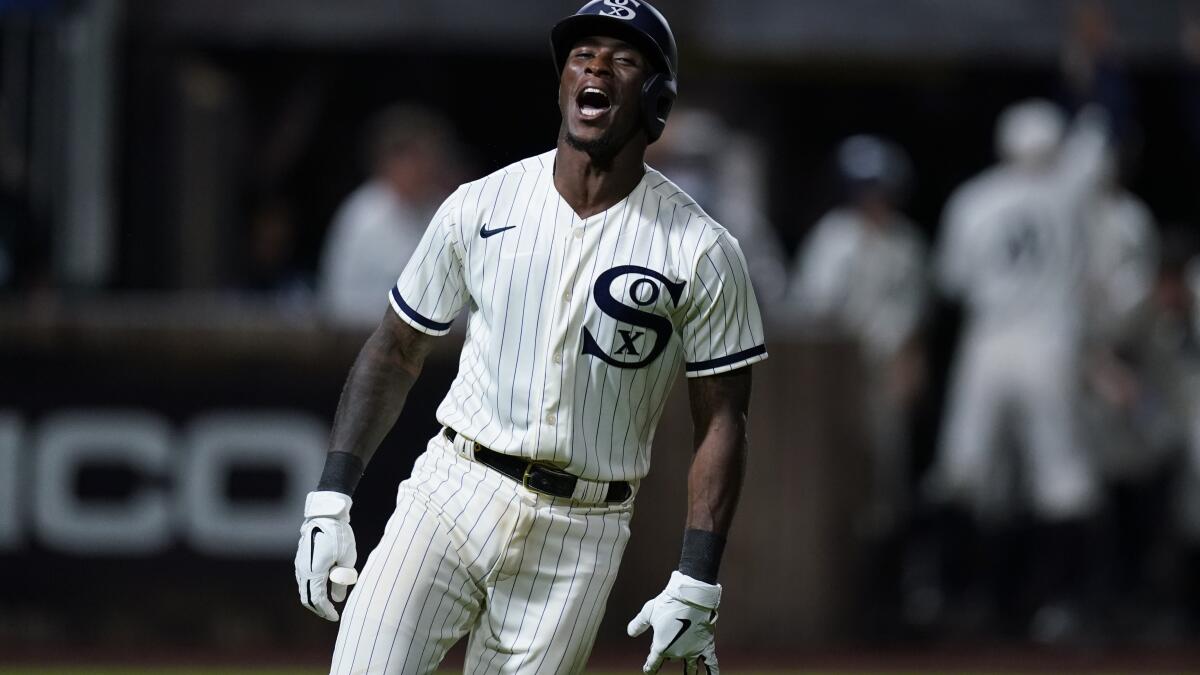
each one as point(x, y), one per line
point(308, 585)
point(687, 623)
point(312, 546)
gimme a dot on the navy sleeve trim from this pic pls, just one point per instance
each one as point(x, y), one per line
point(726, 360)
point(412, 313)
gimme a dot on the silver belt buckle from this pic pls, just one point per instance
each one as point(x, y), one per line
point(525, 478)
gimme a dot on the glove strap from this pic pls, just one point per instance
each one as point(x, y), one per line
point(693, 591)
point(327, 504)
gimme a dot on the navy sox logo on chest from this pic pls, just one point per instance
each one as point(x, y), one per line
point(650, 333)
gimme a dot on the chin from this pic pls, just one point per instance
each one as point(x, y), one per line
point(600, 144)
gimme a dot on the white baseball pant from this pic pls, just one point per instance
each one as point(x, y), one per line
point(1027, 381)
point(470, 551)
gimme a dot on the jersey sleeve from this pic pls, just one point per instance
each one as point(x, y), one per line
point(723, 327)
point(432, 288)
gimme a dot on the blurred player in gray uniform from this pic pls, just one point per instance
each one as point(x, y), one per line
point(1128, 412)
point(862, 273)
point(1012, 250)
point(1123, 252)
point(589, 281)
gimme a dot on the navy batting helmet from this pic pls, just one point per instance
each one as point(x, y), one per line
point(641, 25)
point(870, 161)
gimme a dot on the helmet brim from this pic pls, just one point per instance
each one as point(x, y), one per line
point(568, 32)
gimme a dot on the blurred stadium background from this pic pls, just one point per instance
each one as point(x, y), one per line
point(178, 310)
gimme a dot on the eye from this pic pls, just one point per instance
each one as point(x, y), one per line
point(582, 54)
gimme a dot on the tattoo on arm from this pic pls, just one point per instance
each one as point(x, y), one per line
point(720, 405)
point(383, 374)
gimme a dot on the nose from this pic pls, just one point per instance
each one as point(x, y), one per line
point(600, 63)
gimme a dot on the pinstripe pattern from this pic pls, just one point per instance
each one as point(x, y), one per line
point(526, 386)
point(469, 550)
point(576, 331)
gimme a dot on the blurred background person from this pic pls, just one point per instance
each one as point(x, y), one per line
point(1012, 251)
point(724, 170)
point(861, 273)
point(1178, 336)
point(411, 152)
point(1125, 404)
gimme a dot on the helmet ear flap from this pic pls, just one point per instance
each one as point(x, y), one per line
point(658, 97)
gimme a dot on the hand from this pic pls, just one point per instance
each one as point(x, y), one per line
point(326, 550)
point(682, 617)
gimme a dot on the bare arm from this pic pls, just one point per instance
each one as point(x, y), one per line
point(719, 408)
point(379, 382)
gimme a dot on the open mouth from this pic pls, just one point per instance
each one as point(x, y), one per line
point(592, 102)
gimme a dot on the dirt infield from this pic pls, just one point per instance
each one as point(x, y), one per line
point(959, 660)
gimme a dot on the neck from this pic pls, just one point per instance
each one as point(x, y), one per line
point(591, 184)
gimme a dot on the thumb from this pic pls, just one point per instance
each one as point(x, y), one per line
point(640, 622)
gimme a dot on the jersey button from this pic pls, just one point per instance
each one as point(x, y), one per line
point(567, 296)
point(551, 418)
point(558, 358)
point(579, 233)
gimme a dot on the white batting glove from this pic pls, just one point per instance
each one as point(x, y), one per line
point(682, 617)
point(326, 554)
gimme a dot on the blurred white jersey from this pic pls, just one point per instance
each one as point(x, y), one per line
point(372, 237)
point(1012, 244)
point(869, 281)
point(577, 326)
point(1123, 262)
point(1012, 253)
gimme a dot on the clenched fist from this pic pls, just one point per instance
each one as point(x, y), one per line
point(326, 551)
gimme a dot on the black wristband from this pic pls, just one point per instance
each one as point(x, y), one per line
point(341, 474)
point(701, 555)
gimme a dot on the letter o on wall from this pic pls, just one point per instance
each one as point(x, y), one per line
point(218, 443)
point(69, 440)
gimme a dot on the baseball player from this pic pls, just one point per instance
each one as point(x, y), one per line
point(1122, 270)
point(588, 280)
point(1013, 250)
point(862, 270)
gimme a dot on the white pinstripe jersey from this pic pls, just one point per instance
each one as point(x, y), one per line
point(577, 327)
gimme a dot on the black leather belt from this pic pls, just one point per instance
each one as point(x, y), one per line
point(537, 476)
